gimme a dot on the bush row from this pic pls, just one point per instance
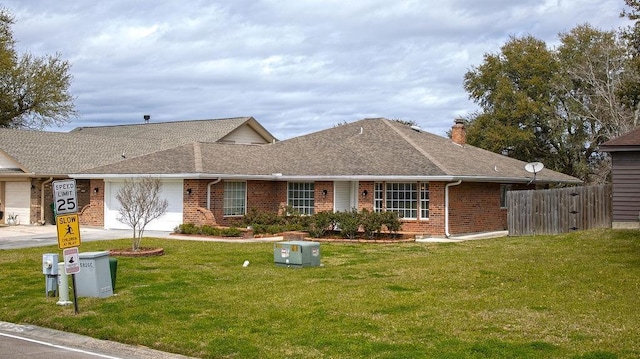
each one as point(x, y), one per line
point(190, 228)
point(349, 224)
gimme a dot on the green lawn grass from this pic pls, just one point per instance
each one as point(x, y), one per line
point(567, 296)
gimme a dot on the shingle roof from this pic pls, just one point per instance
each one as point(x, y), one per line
point(370, 148)
point(630, 140)
point(61, 153)
point(177, 132)
point(58, 153)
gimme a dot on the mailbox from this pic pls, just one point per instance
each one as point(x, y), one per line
point(296, 254)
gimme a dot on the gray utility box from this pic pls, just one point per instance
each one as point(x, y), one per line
point(296, 254)
point(94, 278)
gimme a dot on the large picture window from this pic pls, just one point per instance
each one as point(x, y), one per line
point(300, 197)
point(402, 198)
point(235, 198)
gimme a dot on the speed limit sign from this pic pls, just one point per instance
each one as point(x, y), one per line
point(65, 197)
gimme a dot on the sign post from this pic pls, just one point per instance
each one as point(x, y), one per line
point(65, 199)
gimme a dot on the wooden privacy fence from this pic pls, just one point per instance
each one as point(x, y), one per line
point(560, 210)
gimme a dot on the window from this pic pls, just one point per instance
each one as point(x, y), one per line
point(424, 200)
point(504, 188)
point(402, 198)
point(378, 197)
point(300, 197)
point(235, 199)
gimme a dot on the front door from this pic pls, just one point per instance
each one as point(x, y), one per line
point(345, 196)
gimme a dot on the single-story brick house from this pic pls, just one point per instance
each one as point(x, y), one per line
point(625, 179)
point(439, 186)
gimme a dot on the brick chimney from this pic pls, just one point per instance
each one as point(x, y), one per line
point(458, 132)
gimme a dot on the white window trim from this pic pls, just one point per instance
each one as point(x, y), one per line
point(312, 198)
point(224, 200)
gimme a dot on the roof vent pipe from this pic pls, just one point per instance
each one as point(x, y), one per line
point(146, 118)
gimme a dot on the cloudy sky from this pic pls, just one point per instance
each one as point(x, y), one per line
point(297, 66)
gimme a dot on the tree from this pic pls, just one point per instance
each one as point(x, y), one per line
point(514, 91)
point(34, 91)
point(554, 106)
point(140, 203)
point(629, 92)
point(594, 67)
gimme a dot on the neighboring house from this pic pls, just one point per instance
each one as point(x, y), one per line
point(625, 178)
point(439, 186)
point(31, 160)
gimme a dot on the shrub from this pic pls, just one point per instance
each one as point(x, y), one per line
point(231, 232)
point(320, 223)
point(210, 230)
point(348, 223)
point(391, 220)
point(187, 228)
point(371, 223)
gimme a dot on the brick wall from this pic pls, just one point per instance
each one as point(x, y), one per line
point(194, 199)
point(92, 213)
point(474, 207)
point(323, 203)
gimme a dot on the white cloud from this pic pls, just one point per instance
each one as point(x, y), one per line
point(296, 65)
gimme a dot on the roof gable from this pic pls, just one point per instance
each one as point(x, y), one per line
point(626, 142)
point(177, 133)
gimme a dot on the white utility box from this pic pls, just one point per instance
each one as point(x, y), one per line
point(94, 278)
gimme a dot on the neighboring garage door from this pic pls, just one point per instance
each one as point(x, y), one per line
point(171, 191)
point(17, 200)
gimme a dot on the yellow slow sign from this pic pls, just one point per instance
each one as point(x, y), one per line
point(68, 227)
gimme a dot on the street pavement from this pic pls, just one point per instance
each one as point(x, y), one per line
point(28, 341)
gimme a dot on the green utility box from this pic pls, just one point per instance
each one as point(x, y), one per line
point(296, 254)
point(113, 267)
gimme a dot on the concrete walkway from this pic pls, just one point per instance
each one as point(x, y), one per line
point(24, 236)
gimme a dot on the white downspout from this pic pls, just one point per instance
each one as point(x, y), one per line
point(446, 206)
point(209, 192)
point(42, 222)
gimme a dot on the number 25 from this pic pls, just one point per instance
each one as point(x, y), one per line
point(69, 202)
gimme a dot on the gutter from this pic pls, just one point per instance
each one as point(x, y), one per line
point(446, 206)
point(42, 222)
point(281, 177)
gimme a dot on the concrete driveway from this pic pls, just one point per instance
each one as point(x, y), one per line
point(23, 236)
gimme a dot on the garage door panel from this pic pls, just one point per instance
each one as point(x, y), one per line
point(18, 201)
point(170, 190)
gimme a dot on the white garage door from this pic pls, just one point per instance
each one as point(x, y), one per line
point(17, 200)
point(171, 191)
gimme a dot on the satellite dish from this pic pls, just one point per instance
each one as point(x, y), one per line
point(533, 167)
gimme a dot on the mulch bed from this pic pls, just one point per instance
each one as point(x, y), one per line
point(142, 252)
